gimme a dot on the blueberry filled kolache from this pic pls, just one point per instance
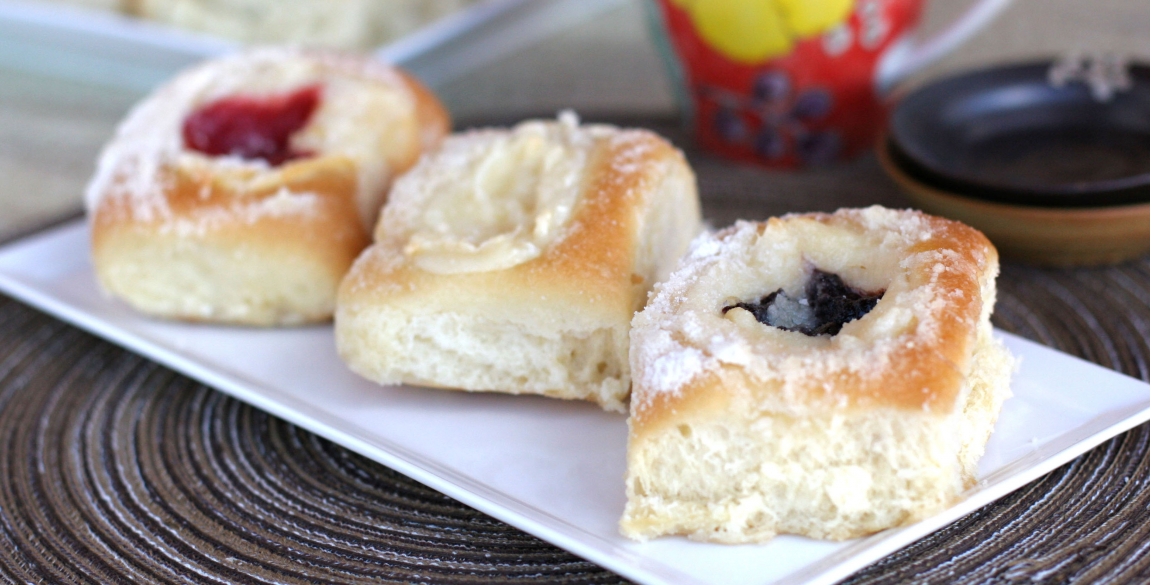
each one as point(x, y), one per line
point(827, 375)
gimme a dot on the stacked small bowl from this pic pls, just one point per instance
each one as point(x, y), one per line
point(1049, 159)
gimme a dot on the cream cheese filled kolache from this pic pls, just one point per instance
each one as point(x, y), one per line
point(512, 260)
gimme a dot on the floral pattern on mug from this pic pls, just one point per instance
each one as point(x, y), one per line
point(784, 83)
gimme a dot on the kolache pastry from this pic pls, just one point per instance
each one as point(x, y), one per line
point(512, 260)
point(348, 24)
point(827, 375)
point(241, 191)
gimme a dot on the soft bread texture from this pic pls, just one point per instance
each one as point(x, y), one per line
point(180, 234)
point(513, 261)
point(740, 431)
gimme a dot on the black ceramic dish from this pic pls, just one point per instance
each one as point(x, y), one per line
point(1007, 135)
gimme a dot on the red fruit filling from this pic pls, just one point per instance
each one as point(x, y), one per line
point(252, 127)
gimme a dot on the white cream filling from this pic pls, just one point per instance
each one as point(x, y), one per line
point(508, 197)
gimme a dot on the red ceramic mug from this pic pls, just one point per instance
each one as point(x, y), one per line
point(792, 83)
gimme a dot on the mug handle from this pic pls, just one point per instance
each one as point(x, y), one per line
point(906, 56)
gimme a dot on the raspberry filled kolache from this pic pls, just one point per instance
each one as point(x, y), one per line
point(242, 190)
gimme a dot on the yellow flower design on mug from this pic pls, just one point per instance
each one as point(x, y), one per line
point(750, 31)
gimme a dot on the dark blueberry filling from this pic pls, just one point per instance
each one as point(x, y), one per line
point(826, 305)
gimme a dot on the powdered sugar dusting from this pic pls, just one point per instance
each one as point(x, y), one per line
point(489, 199)
point(661, 363)
point(671, 364)
point(683, 332)
point(283, 203)
point(632, 152)
point(148, 145)
point(704, 247)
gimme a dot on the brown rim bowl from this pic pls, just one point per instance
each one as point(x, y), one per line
point(1048, 236)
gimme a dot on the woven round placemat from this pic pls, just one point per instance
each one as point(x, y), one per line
point(115, 469)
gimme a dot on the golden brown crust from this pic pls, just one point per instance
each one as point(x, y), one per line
point(432, 119)
point(330, 231)
point(924, 371)
point(315, 211)
point(541, 240)
point(741, 431)
point(591, 267)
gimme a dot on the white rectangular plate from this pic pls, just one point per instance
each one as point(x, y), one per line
point(552, 468)
point(102, 47)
